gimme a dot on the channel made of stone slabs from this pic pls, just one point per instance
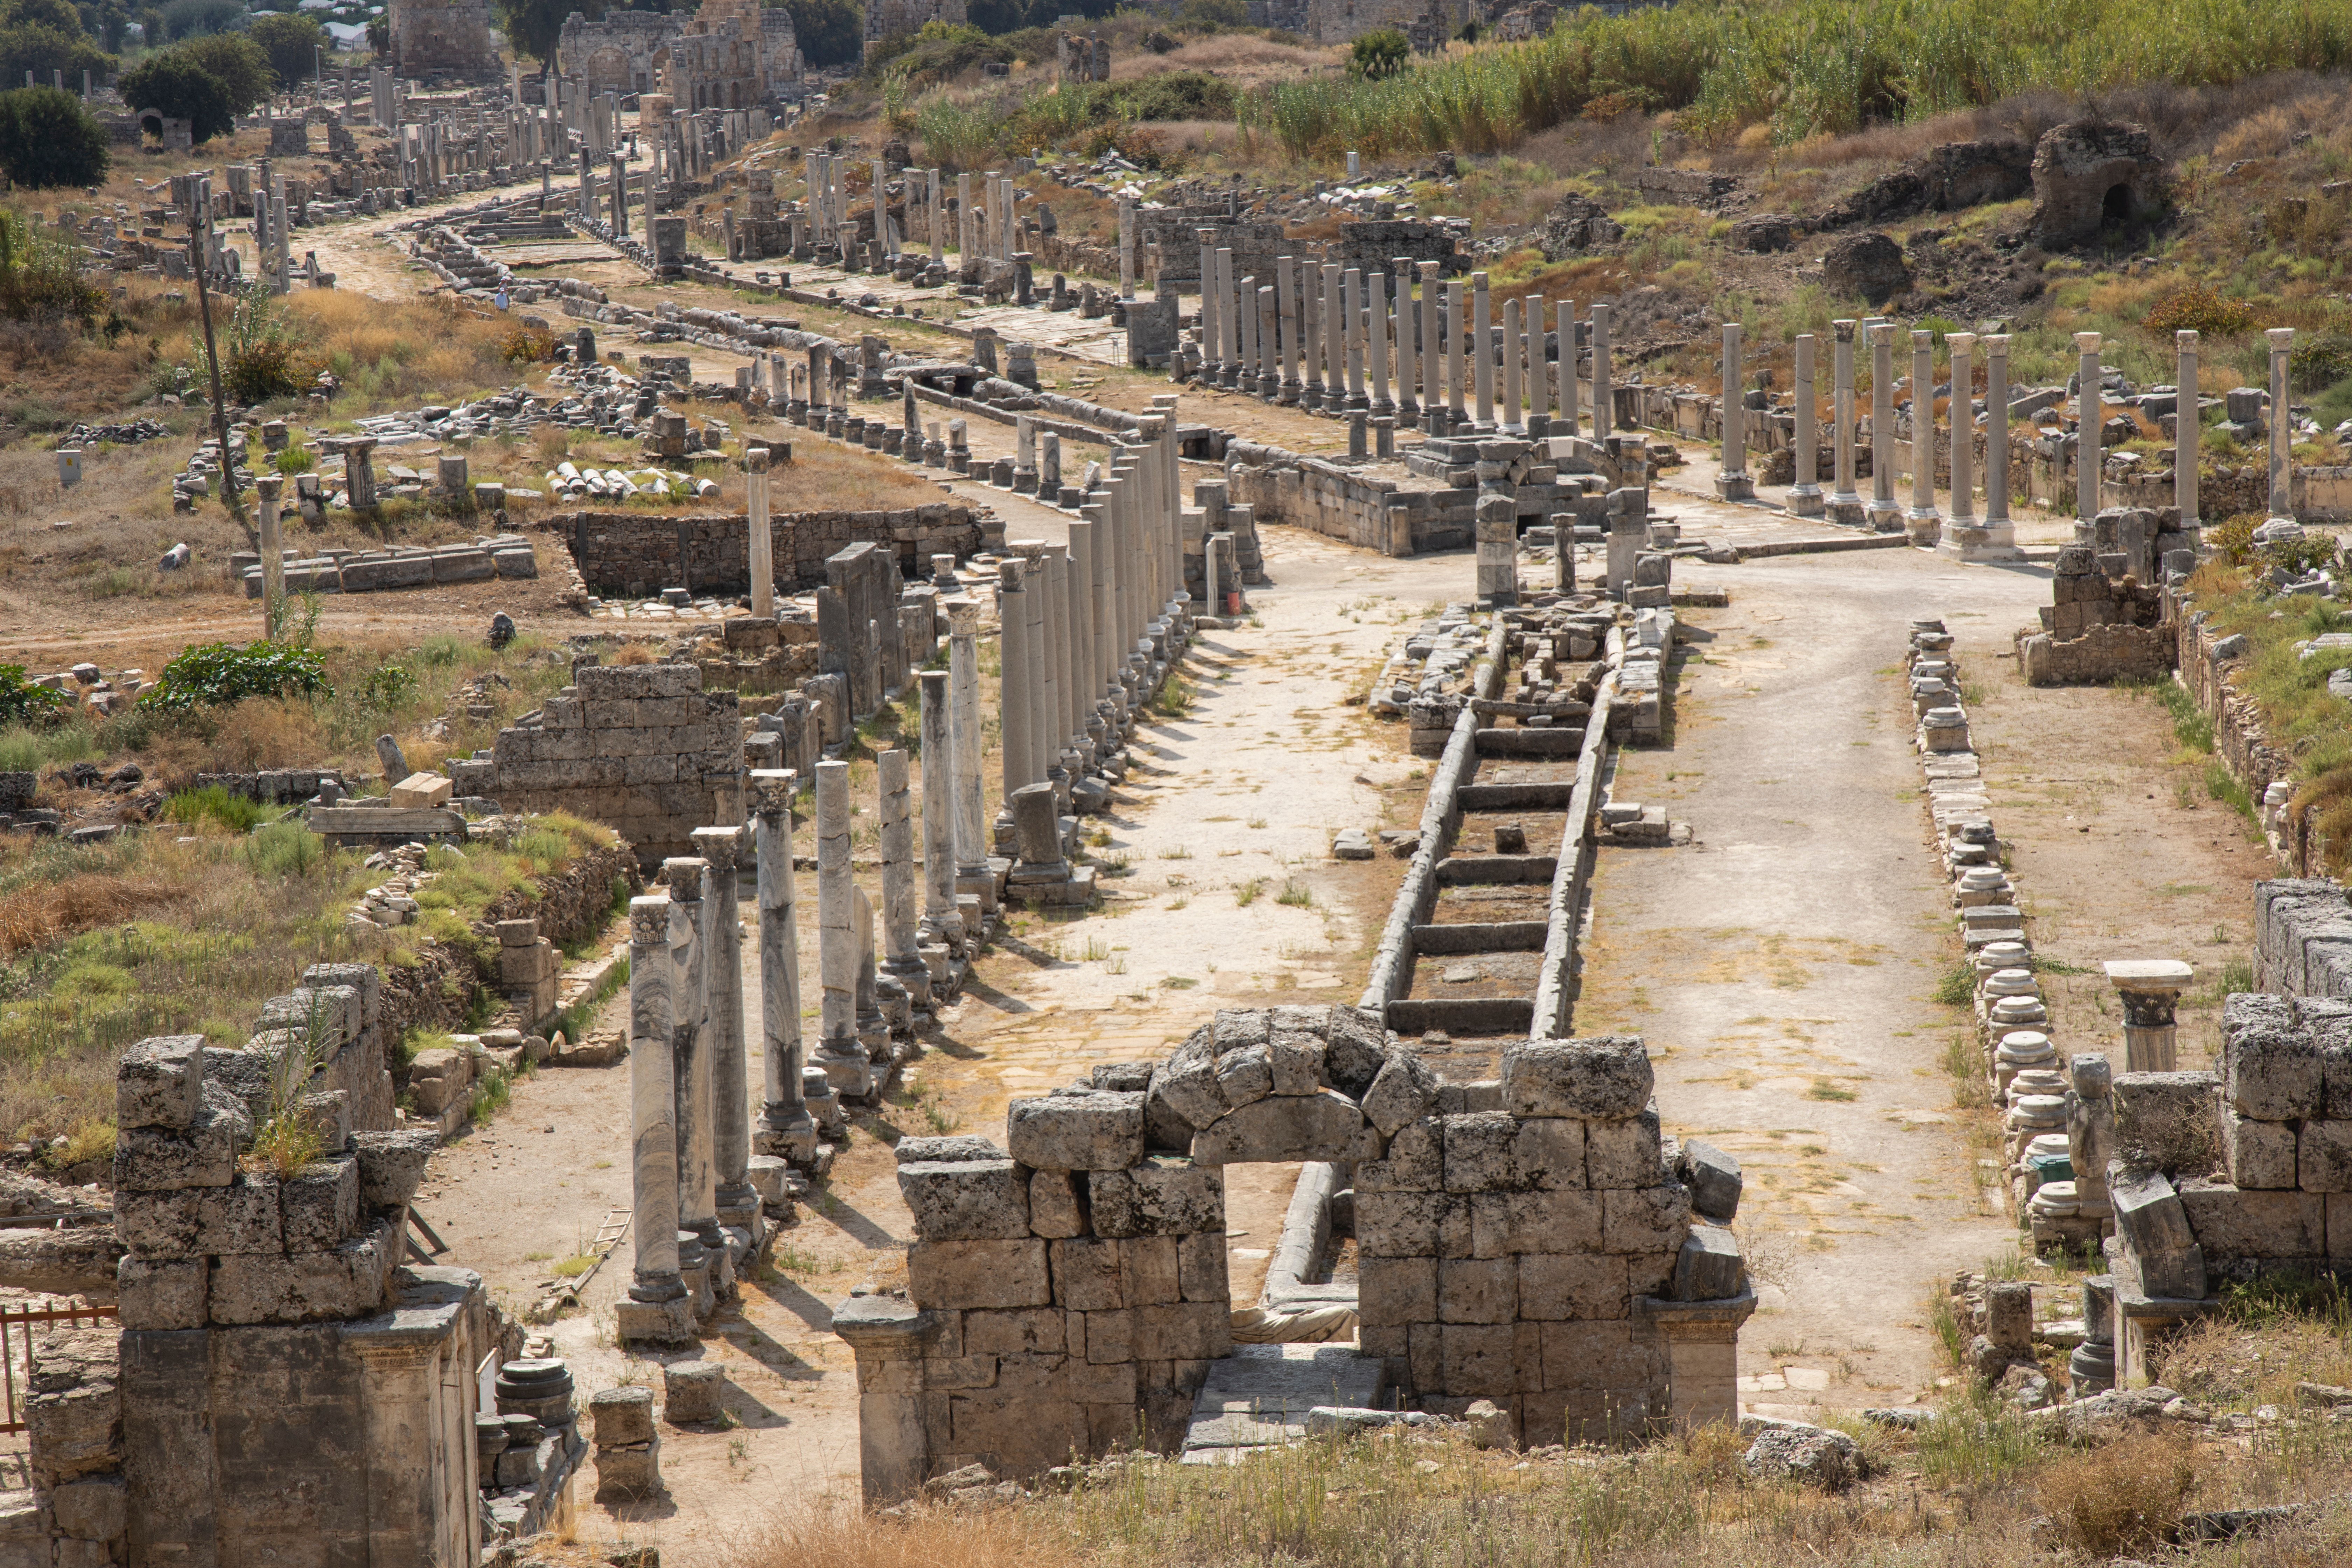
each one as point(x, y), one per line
point(1259, 1397)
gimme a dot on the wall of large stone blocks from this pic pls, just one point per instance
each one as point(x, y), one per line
point(630, 555)
point(1522, 1240)
point(643, 749)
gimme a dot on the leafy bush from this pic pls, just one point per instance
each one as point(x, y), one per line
point(1379, 53)
point(199, 18)
point(240, 63)
point(40, 280)
point(2199, 309)
point(263, 354)
point(939, 52)
point(293, 460)
point(1173, 95)
point(2318, 362)
point(214, 804)
point(48, 138)
point(532, 26)
point(212, 675)
point(44, 49)
point(178, 87)
point(831, 32)
point(2127, 1497)
point(387, 686)
point(284, 849)
point(22, 703)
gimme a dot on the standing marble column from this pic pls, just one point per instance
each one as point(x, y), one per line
point(839, 1052)
point(1375, 321)
point(1407, 354)
point(1229, 343)
point(1036, 652)
point(1512, 418)
point(1805, 495)
point(1351, 303)
point(1999, 530)
point(1269, 342)
point(1845, 500)
point(1127, 247)
point(1456, 330)
point(2185, 433)
point(1285, 285)
point(1922, 518)
point(2282, 427)
point(902, 941)
point(1604, 386)
point(1963, 536)
point(763, 544)
point(2090, 414)
point(1310, 335)
point(942, 922)
point(1733, 483)
point(1335, 338)
point(1565, 312)
point(1014, 696)
point(937, 221)
point(964, 736)
point(785, 1127)
point(963, 220)
point(1208, 321)
point(1883, 514)
point(1429, 351)
point(1062, 704)
point(721, 849)
point(1482, 349)
point(1086, 664)
point(653, 1117)
point(2150, 991)
point(1245, 316)
point(696, 1169)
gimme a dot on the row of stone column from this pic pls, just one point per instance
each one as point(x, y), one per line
point(1341, 340)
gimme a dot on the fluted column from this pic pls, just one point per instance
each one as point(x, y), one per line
point(943, 921)
point(652, 1104)
point(2282, 427)
point(721, 849)
point(2185, 432)
point(902, 955)
point(785, 1118)
point(697, 1200)
point(2090, 415)
point(1923, 517)
point(1885, 515)
point(964, 735)
point(1805, 495)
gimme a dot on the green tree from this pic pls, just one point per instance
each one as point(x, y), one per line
point(44, 49)
point(1378, 54)
point(237, 63)
point(199, 18)
point(42, 14)
point(288, 43)
point(177, 86)
point(379, 35)
point(48, 138)
point(114, 26)
point(532, 26)
point(832, 32)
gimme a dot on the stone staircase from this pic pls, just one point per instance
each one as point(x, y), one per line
point(1259, 1397)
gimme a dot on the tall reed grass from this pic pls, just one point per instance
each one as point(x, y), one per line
point(1803, 67)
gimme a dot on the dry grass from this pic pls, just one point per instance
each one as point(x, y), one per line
point(35, 915)
point(1242, 58)
point(2125, 1497)
point(841, 1535)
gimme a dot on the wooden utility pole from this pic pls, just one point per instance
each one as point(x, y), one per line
point(199, 220)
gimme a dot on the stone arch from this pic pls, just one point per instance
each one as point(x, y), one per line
point(609, 69)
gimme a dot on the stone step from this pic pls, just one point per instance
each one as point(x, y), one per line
point(1259, 1397)
point(1499, 936)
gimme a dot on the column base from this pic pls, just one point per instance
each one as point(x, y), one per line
point(1806, 501)
point(788, 1134)
point(1734, 487)
point(1846, 511)
point(1055, 885)
point(1924, 526)
point(1969, 539)
point(848, 1067)
point(655, 1322)
point(1883, 517)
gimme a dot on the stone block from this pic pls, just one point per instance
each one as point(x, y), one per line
point(1397, 1289)
point(970, 1201)
point(1645, 1219)
point(1403, 1090)
point(1607, 1076)
point(1245, 1074)
point(1056, 1205)
point(1088, 1276)
point(1549, 1151)
point(1150, 1266)
point(2324, 1157)
point(1093, 1131)
point(1188, 1083)
point(630, 1473)
point(1477, 1290)
point(151, 1159)
point(321, 1205)
point(1708, 1267)
point(422, 791)
point(390, 1166)
point(2271, 1074)
point(1414, 1159)
point(1481, 1152)
point(1490, 1360)
point(620, 1416)
point(1398, 1224)
point(1161, 1196)
point(1036, 1332)
point(954, 1149)
point(1554, 1220)
point(167, 1293)
point(2158, 1245)
point(1554, 1286)
point(2257, 1154)
point(693, 1392)
point(160, 1083)
point(979, 1273)
point(1615, 1357)
point(1624, 1154)
point(2167, 1121)
point(1201, 1268)
point(305, 1286)
point(1320, 1126)
point(2231, 1222)
point(95, 1509)
point(1297, 1058)
point(1354, 1046)
point(244, 1216)
point(1713, 1178)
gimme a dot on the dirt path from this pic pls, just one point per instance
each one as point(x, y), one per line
point(1782, 968)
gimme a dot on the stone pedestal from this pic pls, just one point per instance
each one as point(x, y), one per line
point(1498, 551)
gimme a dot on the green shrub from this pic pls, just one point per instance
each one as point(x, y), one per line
point(214, 804)
point(1381, 53)
point(2199, 309)
point(178, 86)
point(293, 460)
point(48, 140)
point(40, 278)
point(387, 686)
point(286, 849)
point(214, 674)
point(22, 703)
point(288, 42)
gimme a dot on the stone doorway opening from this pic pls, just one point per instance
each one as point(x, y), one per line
point(2116, 206)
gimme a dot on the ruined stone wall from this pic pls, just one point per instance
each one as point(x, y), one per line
point(1427, 23)
point(643, 749)
point(1521, 1241)
point(442, 37)
point(631, 555)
